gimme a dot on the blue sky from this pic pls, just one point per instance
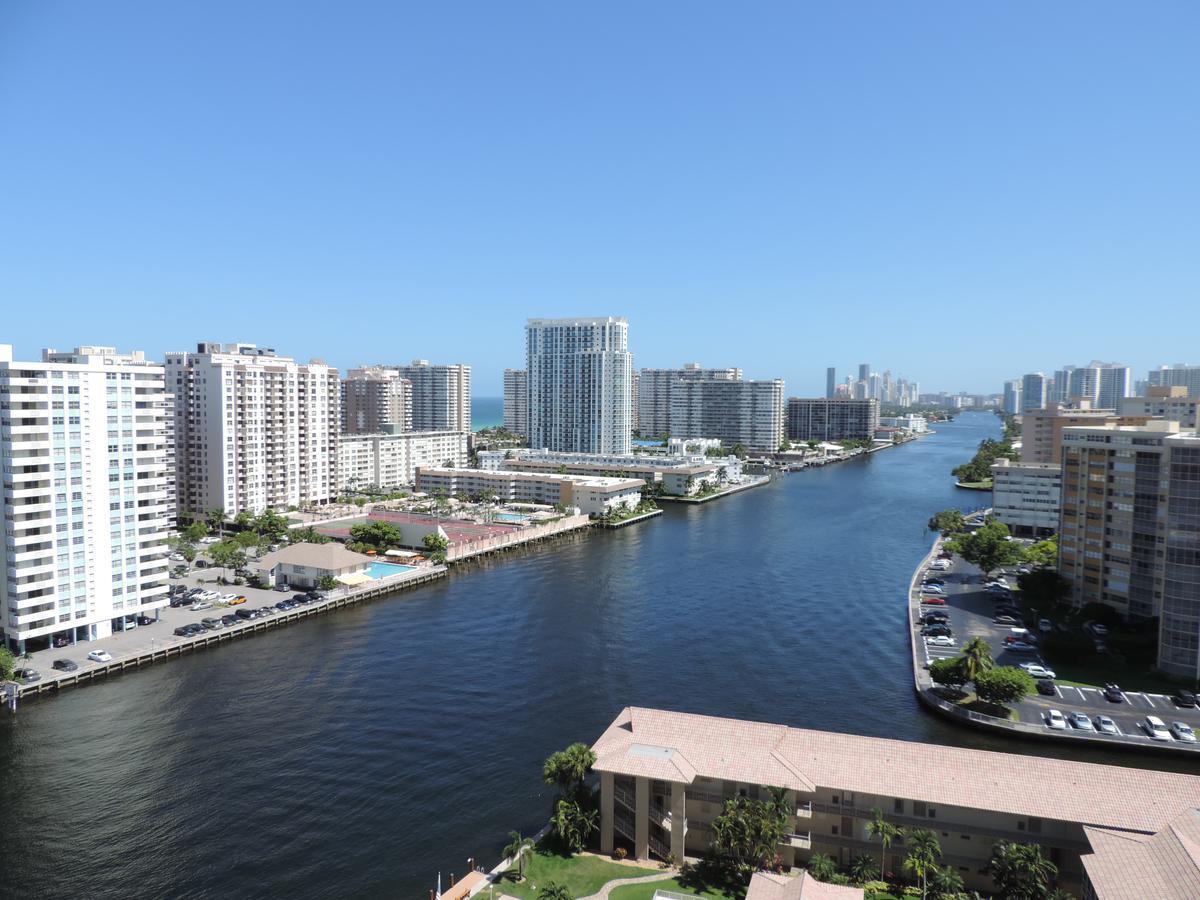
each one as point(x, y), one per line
point(957, 191)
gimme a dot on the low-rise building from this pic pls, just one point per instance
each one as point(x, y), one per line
point(593, 495)
point(1027, 497)
point(697, 446)
point(1124, 866)
point(911, 423)
point(664, 777)
point(389, 460)
point(822, 419)
point(677, 475)
point(776, 886)
point(305, 565)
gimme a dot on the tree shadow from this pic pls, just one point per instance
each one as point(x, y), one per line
point(711, 876)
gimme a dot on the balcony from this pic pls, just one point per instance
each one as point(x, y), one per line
point(799, 841)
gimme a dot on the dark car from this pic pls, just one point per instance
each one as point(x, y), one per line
point(230, 620)
point(1113, 693)
point(300, 598)
point(146, 620)
point(934, 618)
point(1046, 686)
point(65, 665)
point(27, 676)
point(284, 605)
point(183, 630)
point(282, 588)
point(317, 595)
point(940, 582)
point(1184, 698)
point(936, 631)
point(246, 614)
point(200, 564)
point(180, 600)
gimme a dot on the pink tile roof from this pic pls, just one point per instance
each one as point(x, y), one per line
point(801, 759)
point(1166, 865)
point(769, 886)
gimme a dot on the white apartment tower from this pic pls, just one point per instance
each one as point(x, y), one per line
point(85, 439)
point(655, 389)
point(253, 430)
point(580, 384)
point(1033, 391)
point(441, 395)
point(516, 401)
point(375, 398)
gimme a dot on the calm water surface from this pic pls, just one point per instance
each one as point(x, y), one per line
point(356, 754)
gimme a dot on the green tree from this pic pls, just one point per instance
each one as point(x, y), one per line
point(243, 519)
point(437, 545)
point(271, 525)
point(246, 539)
point(574, 823)
point(380, 535)
point(980, 466)
point(183, 547)
point(946, 883)
point(1043, 554)
point(924, 851)
point(948, 673)
point(8, 662)
point(215, 518)
point(988, 547)
point(1004, 685)
point(327, 582)
point(863, 869)
point(822, 867)
point(976, 658)
point(879, 827)
point(517, 849)
point(747, 833)
point(1044, 588)
point(785, 445)
point(309, 535)
point(739, 450)
point(195, 532)
point(569, 768)
point(1020, 872)
point(227, 555)
point(947, 522)
point(552, 890)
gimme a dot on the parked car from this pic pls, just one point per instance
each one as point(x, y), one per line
point(1044, 626)
point(238, 600)
point(230, 620)
point(146, 620)
point(198, 605)
point(180, 600)
point(934, 618)
point(1056, 720)
point(1113, 692)
point(26, 676)
point(1184, 698)
point(1047, 688)
point(266, 611)
point(282, 588)
point(1006, 619)
point(1182, 731)
point(934, 601)
point(933, 589)
point(1021, 647)
point(100, 656)
point(1105, 725)
point(1037, 670)
point(940, 640)
point(65, 665)
point(228, 598)
point(200, 564)
point(1080, 721)
point(247, 614)
point(1097, 629)
point(936, 631)
point(941, 582)
point(211, 624)
point(1155, 728)
point(183, 630)
point(300, 598)
point(1100, 647)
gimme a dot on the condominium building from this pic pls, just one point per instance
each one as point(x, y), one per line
point(913, 424)
point(441, 395)
point(735, 412)
point(516, 401)
point(1129, 535)
point(253, 430)
point(656, 389)
point(679, 476)
point(375, 398)
point(593, 495)
point(665, 776)
point(1163, 403)
point(1041, 429)
point(1178, 375)
point(388, 461)
point(1027, 497)
point(580, 393)
point(830, 383)
point(1012, 398)
point(1033, 391)
point(634, 400)
point(88, 489)
point(1102, 384)
point(818, 419)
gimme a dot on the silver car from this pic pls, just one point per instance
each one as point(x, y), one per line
point(1080, 721)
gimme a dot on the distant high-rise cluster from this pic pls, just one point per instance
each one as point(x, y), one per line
point(873, 386)
point(1100, 385)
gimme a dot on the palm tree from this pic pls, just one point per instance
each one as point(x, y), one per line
point(821, 867)
point(552, 891)
point(947, 884)
point(976, 657)
point(923, 854)
point(863, 868)
point(881, 828)
point(516, 849)
point(1020, 871)
point(216, 520)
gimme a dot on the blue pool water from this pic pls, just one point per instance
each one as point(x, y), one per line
point(383, 570)
point(515, 518)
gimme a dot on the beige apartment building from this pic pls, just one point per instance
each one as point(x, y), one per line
point(388, 461)
point(1129, 534)
point(664, 777)
point(253, 430)
point(376, 399)
point(1041, 429)
point(1163, 403)
point(594, 495)
point(441, 395)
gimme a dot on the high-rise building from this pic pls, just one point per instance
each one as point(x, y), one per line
point(1101, 383)
point(1164, 403)
point(253, 431)
point(636, 383)
point(516, 401)
point(818, 419)
point(1062, 386)
point(1178, 375)
point(580, 391)
point(375, 398)
point(441, 395)
point(735, 412)
point(1033, 391)
point(655, 390)
point(1115, 382)
point(1042, 429)
point(830, 383)
point(1084, 384)
point(1129, 535)
point(864, 372)
point(1012, 398)
point(86, 440)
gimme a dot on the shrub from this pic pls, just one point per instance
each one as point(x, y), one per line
point(620, 853)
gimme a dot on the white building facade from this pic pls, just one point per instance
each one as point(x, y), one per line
point(656, 387)
point(580, 376)
point(253, 431)
point(593, 495)
point(1027, 497)
point(85, 438)
point(516, 401)
point(441, 395)
point(389, 461)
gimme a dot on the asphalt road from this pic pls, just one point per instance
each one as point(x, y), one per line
point(970, 608)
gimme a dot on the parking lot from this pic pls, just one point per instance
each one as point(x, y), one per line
point(969, 607)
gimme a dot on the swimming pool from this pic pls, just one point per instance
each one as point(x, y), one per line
point(384, 570)
point(510, 518)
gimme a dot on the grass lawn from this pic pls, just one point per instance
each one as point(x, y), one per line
point(646, 891)
point(581, 875)
point(1100, 670)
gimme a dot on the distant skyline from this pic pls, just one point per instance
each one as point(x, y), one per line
point(961, 193)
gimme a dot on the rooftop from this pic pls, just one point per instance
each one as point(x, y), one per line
point(769, 886)
point(801, 759)
point(1166, 865)
point(318, 556)
point(581, 480)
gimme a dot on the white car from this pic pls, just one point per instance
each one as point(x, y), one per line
point(1183, 732)
point(228, 598)
point(940, 640)
point(1037, 670)
point(1155, 728)
point(100, 656)
point(1044, 625)
point(933, 589)
point(208, 540)
point(1056, 720)
point(210, 595)
point(1099, 630)
point(1080, 721)
point(1105, 725)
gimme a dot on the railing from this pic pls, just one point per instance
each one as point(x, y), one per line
point(626, 798)
point(799, 841)
point(671, 895)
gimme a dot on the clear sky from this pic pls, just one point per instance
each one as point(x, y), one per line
point(958, 191)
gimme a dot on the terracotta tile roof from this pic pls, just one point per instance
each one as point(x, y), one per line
point(1166, 865)
point(768, 886)
point(801, 759)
